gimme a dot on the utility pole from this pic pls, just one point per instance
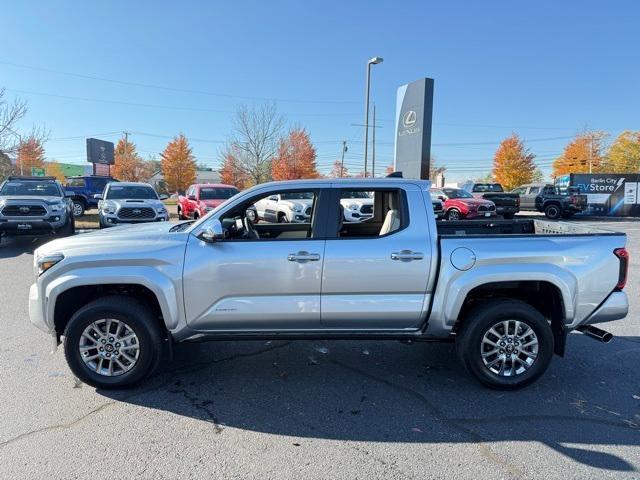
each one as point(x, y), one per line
point(344, 149)
point(373, 147)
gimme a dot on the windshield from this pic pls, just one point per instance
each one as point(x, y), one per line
point(487, 187)
point(457, 193)
point(297, 196)
point(137, 192)
point(355, 195)
point(33, 189)
point(211, 193)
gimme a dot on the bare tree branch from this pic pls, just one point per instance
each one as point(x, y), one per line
point(10, 114)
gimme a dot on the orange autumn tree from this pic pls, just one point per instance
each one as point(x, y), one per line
point(296, 157)
point(30, 154)
point(513, 163)
point(585, 152)
point(231, 172)
point(178, 164)
point(128, 164)
point(338, 170)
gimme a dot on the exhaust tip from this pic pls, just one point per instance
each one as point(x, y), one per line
point(596, 333)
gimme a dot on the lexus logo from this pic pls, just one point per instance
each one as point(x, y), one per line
point(25, 209)
point(409, 118)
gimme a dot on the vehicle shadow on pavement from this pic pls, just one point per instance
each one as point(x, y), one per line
point(15, 246)
point(391, 392)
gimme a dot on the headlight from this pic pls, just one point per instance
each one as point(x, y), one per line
point(353, 206)
point(162, 210)
point(298, 208)
point(208, 209)
point(108, 208)
point(46, 262)
point(56, 207)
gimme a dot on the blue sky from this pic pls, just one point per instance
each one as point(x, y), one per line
point(544, 69)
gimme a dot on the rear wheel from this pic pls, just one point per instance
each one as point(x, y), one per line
point(112, 342)
point(505, 344)
point(552, 211)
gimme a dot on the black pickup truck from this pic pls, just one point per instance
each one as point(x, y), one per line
point(507, 204)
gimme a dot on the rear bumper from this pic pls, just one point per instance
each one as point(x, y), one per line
point(615, 307)
point(502, 209)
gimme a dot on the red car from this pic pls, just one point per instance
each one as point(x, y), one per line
point(459, 204)
point(201, 198)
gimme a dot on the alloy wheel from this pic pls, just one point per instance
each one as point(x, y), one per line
point(509, 348)
point(109, 347)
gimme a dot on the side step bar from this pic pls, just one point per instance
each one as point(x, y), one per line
point(596, 333)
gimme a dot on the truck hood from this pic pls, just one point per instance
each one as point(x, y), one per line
point(305, 202)
point(475, 202)
point(29, 199)
point(356, 201)
point(153, 203)
point(127, 241)
point(213, 203)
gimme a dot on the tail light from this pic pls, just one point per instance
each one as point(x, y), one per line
point(623, 256)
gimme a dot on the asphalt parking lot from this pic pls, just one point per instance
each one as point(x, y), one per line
point(297, 410)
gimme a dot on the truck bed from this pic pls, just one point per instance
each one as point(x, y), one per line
point(516, 227)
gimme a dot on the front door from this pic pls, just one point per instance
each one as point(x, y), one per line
point(262, 277)
point(376, 272)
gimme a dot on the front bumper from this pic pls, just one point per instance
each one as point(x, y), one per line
point(354, 216)
point(12, 226)
point(615, 307)
point(113, 220)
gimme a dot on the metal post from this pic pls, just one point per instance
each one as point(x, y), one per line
point(366, 118)
point(344, 149)
point(373, 144)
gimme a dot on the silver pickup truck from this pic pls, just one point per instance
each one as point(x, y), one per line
point(506, 291)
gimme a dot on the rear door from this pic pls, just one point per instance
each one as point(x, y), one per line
point(376, 272)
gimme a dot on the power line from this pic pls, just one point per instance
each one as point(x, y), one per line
point(172, 89)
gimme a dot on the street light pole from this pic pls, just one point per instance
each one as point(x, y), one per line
point(373, 61)
point(344, 149)
point(373, 143)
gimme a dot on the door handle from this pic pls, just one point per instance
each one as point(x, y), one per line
point(407, 256)
point(303, 257)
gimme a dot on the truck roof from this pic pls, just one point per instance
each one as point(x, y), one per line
point(30, 178)
point(425, 184)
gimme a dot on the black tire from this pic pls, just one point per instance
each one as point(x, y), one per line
point(180, 216)
point(282, 218)
point(139, 318)
point(69, 229)
point(509, 216)
point(478, 322)
point(453, 214)
point(552, 211)
point(79, 208)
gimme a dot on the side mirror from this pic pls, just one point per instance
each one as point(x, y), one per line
point(98, 196)
point(192, 197)
point(213, 232)
point(163, 196)
point(69, 194)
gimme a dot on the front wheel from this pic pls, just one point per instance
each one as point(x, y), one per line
point(453, 214)
point(505, 344)
point(112, 342)
point(78, 208)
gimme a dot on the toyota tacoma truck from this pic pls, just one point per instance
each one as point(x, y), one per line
point(507, 292)
point(507, 204)
point(294, 207)
point(35, 206)
point(201, 198)
point(130, 202)
point(84, 189)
